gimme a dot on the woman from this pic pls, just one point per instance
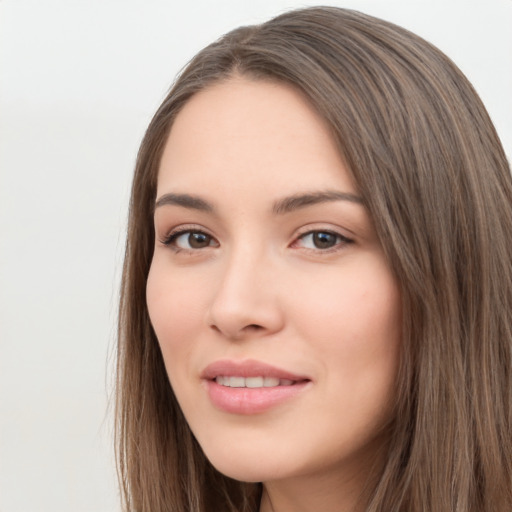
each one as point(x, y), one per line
point(317, 291)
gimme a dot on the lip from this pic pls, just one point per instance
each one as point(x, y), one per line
point(248, 401)
point(248, 368)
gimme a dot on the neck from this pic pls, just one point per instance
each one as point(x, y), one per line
point(312, 494)
point(334, 490)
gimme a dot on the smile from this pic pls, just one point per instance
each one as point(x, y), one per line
point(251, 387)
point(252, 382)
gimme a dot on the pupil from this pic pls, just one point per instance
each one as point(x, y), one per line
point(198, 240)
point(324, 240)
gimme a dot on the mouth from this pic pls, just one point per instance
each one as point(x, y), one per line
point(250, 387)
point(231, 373)
point(252, 382)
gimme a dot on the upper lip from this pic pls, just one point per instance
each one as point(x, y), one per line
point(248, 368)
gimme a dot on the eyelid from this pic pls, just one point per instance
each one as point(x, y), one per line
point(301, 233)
point(310, 230)
point(182, 229)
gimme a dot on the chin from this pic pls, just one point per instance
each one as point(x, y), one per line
point(246, 468)
point(242, 474)
point(243, 471)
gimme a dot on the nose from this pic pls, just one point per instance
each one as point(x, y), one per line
point(246, 301)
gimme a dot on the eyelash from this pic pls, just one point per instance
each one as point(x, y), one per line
point(170, 239)
point(340, 242)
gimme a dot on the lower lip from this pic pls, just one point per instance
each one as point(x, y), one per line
point(251, 400)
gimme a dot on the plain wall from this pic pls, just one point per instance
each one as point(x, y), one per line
point(79, 81)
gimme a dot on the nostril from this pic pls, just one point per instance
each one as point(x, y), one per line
point(254, 327)
point(247, 328)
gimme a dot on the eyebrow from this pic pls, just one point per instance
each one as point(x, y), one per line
point(185, 201)
point(295, 202)
point(282, 206)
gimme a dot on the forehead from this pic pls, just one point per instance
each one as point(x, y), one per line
point(252, 133)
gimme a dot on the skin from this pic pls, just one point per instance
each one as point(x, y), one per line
point(259, 286)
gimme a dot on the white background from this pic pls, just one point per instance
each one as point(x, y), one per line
point(79, 81)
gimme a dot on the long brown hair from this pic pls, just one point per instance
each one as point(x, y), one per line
point(433, 175)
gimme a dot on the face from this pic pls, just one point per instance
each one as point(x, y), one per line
point(275, 309)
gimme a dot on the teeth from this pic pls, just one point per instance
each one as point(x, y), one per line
point(251, 382)
point(236, 382)
point(254, 382)
point(270, 382)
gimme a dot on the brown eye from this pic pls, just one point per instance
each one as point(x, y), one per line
point(190, 240)
point(199, 240)
point(322, 240)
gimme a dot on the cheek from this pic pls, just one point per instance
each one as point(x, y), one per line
point(357, 309)
point(354, 325)
point(176, 310)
